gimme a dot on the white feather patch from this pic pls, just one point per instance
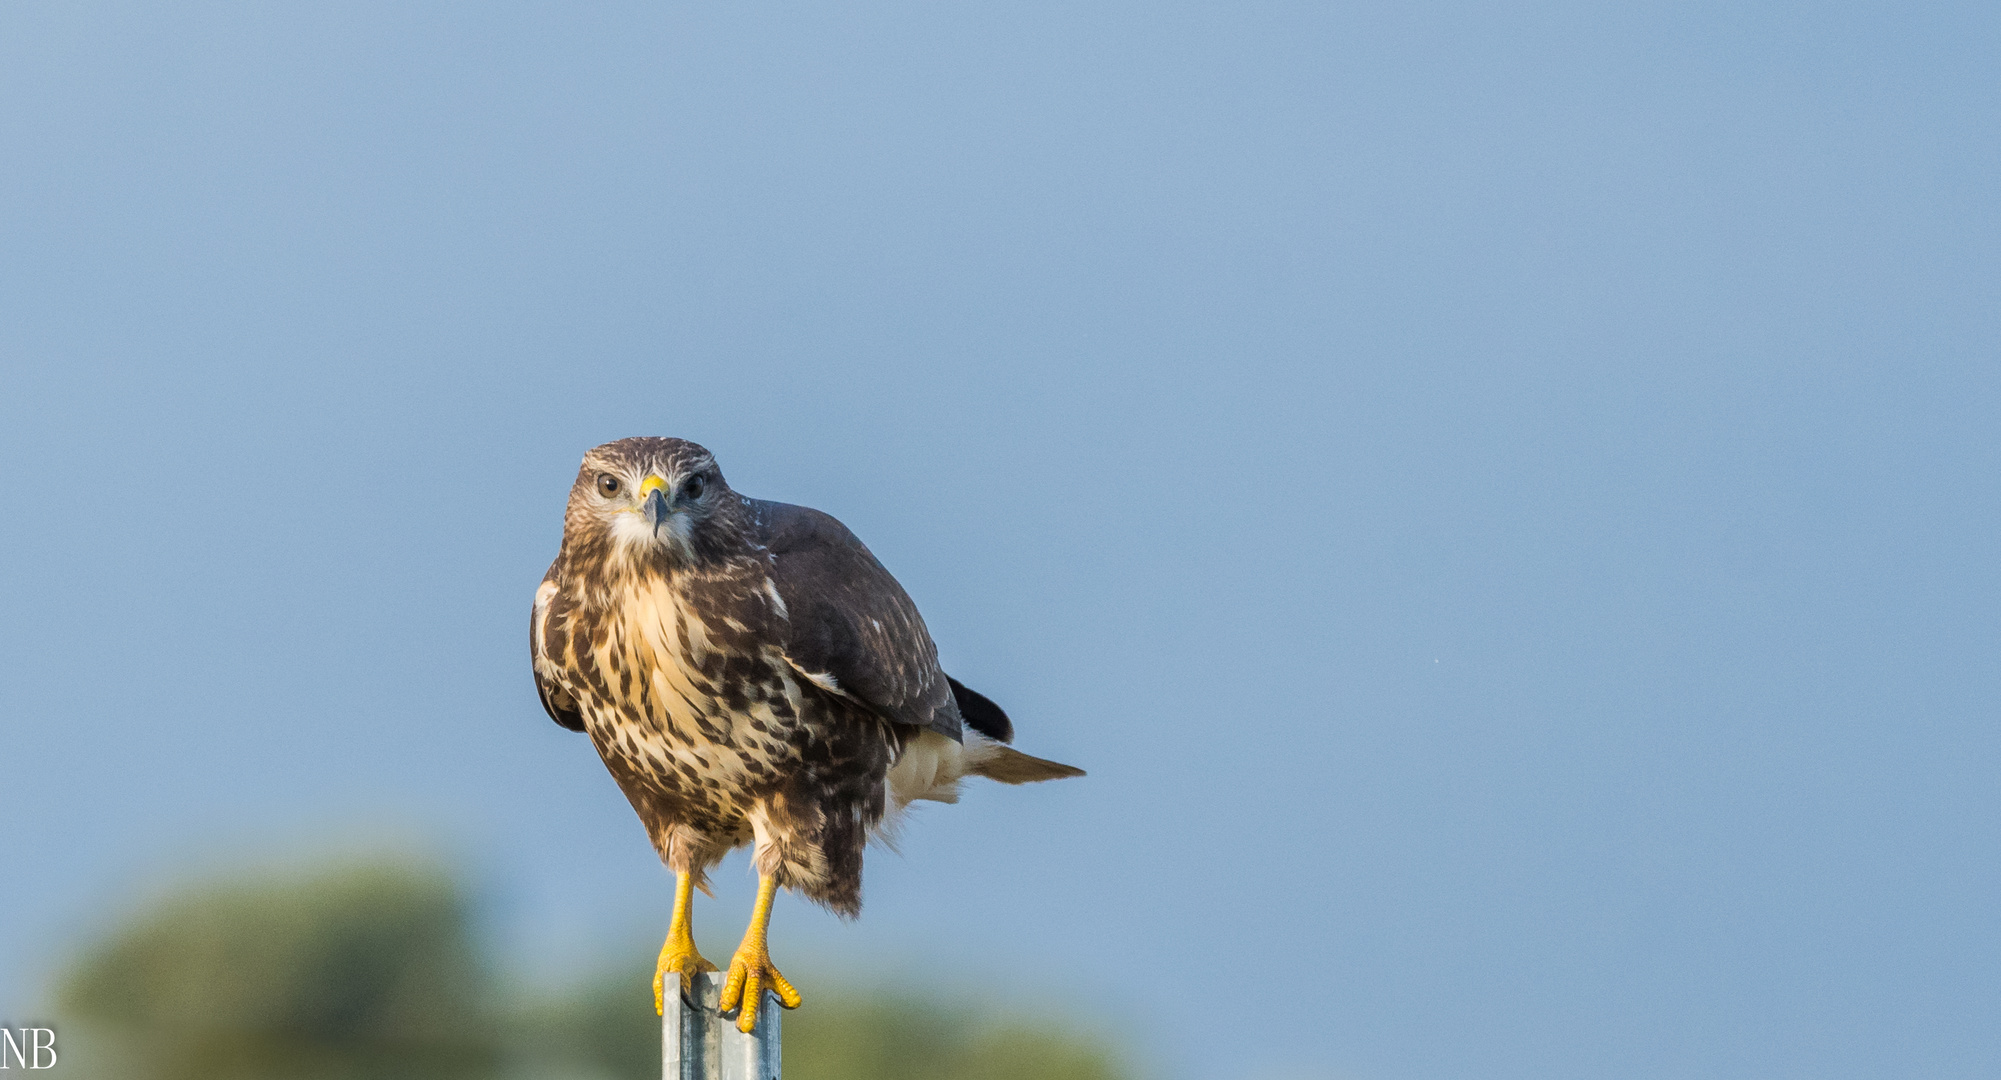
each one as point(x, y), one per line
point(823, 679)
point(932, 765)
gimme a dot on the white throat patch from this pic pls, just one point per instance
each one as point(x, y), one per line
point(632, 535)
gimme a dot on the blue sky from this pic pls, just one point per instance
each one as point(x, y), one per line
point(1502, 499)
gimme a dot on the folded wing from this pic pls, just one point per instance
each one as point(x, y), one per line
point(853, 630)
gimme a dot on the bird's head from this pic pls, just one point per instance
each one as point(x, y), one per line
point(647, 501)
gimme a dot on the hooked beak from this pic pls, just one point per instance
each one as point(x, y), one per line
point(653, 493)
point(656, 509)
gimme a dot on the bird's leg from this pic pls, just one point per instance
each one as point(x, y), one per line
point(751, 972)
point(679, 954)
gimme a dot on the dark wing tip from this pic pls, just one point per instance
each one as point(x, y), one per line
point(981, 714)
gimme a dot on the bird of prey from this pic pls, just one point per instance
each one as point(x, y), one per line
point(751, 675)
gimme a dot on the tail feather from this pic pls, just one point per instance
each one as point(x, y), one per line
point(1011, 766)
point(931, 766)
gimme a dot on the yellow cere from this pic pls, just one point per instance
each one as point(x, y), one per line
point(649, 485)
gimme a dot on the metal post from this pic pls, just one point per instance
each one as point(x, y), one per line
point(698, 1043)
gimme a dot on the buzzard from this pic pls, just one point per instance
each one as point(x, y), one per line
point(751, 675)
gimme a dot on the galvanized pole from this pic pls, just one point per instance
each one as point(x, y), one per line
point(699, 1043)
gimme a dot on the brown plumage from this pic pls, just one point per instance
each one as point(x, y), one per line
point(749, 673)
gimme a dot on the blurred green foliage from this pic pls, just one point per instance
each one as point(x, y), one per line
point(365, 972)
point(371, 972)
point(899, 1037)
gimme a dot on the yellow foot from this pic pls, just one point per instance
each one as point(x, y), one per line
point(677, 956)
point(751, 974)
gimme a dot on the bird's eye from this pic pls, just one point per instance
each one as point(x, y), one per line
point(608, 485)
point(693, 488)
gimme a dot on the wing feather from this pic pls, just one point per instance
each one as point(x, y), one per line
point(557, 702)
point(849, 621)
